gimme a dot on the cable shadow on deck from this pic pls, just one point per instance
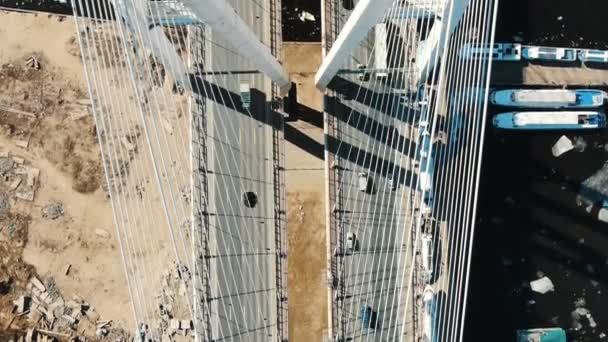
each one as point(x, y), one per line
point(386, 134)
point(366, 160)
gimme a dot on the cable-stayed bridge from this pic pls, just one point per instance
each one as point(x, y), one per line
point(187, 101)
point(405, 116)
point(193, 171)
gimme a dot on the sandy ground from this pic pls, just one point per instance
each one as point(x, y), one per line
point(306, 215)
point(69, 163)
point(26, 33)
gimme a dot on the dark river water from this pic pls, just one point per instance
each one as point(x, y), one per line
point(529, 223)
point(294, 27)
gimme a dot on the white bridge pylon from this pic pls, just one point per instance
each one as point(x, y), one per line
point(223, 20)
point(441, 30)
point(368, 13)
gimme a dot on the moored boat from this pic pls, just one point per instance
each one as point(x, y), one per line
point(550, 120)
point(548, 98)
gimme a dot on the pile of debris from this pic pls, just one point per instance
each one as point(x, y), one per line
point(52, 318)
point(32, 62)
point(53, 210)
point(173, 310)
point(17, 177)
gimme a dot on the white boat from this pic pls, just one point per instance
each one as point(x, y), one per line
point(599, 56)
point(551, 54)
point(499, 51)
point(550, 120)
point(548, 98)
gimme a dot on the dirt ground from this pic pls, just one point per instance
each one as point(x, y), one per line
point(306, 204)
point(307, 289)
point(47, 106)
point(53, 98)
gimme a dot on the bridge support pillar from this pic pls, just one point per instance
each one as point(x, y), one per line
point(441, 30)
point(366, 14)
point(222, 19)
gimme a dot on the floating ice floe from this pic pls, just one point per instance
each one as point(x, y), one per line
point(580, 312)
point(579, 144)
point(306, 16)
point(595, 188)
point(562, 146)
point(542, 285)
point(602, 215)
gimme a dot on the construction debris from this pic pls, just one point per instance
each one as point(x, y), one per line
point(32, 62)
point(4, 204)
point(25, 194)
point(53, 210)
point(22, 305)
point(31, 304)
point(22, 143)
point(54, 319)
point(6, 165)
point(31, 173)
point(38, 284)
point(5, 284)
point(15, 184)
point(19, 178)
point(170, 304)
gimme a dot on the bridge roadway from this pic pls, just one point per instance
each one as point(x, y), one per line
point(373, 274)
point(242, 239)
point(375, 138)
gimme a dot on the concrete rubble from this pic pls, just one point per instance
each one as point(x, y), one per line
point(55, 318)
point(53, 210)
point(6, 165)
point(173, 311)
point(32, 62)
point(22, 143)
point(5, 204)
point(19, 178)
